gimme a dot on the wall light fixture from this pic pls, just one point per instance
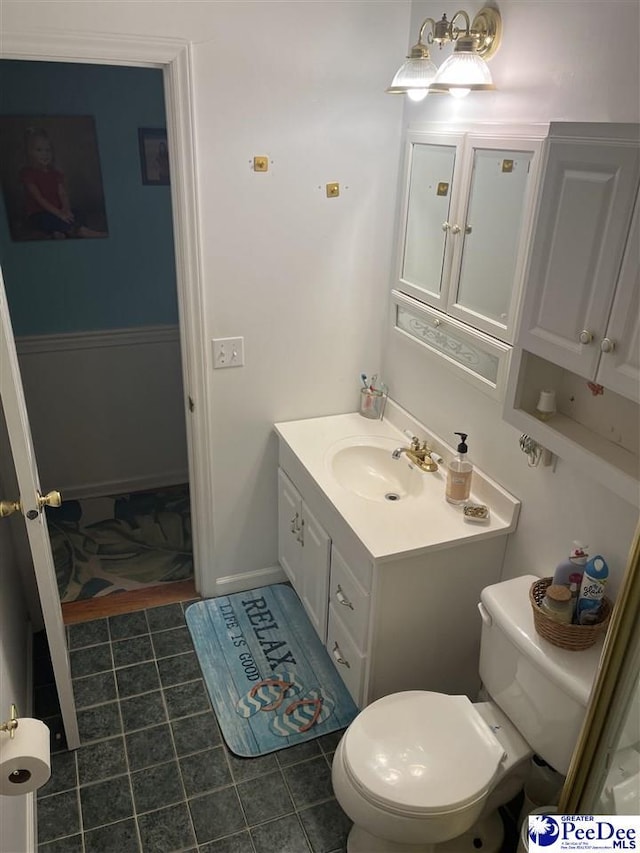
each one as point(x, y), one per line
point(465, 71)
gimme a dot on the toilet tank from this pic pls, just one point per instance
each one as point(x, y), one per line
point(544, 690)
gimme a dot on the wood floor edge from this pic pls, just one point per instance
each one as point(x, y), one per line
point(127, 602)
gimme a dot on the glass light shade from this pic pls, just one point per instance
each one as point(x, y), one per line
point(463, 70)
point(414, 76)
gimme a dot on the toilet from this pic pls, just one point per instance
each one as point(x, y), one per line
point(425, 772)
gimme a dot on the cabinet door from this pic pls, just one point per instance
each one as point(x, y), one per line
point(491, 232)
point(581, 226)
point(620, 358)
point(290, 530)
point(425, 245)
point(316, 551)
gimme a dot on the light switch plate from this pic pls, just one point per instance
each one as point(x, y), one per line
point(228, 352)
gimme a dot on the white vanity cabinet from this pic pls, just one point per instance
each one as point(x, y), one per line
point(401, 603)
point(465, 222)
point(304, 552)
point(581, 305)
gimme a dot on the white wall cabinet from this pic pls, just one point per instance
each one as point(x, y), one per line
point(581, 309)
point(581, 305)
point(466, 215)
point(303, 551)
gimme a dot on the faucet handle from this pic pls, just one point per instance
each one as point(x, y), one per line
point(415, 442)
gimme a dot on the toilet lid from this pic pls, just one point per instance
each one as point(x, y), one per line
point(418, 752)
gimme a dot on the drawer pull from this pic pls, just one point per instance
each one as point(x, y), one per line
point(338, 656)
point(342, 598)
point(294, 524)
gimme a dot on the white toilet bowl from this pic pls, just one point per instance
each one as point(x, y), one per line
point(417, 769)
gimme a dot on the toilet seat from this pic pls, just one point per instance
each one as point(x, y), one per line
point(418, 753)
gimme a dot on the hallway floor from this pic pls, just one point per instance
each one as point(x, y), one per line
point(109, 545)
point(152, 773)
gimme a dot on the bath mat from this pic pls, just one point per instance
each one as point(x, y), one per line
point(270, 679)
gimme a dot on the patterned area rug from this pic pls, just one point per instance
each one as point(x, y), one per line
point(270, 679)
point(124, 542)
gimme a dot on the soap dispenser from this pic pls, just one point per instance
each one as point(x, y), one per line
point(459, 473)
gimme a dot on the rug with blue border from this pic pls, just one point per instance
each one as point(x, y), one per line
point(270, 679)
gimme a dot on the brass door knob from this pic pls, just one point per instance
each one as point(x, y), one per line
point(53, 498)
point(8, 508)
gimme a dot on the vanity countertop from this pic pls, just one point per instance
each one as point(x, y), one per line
point(414, 524)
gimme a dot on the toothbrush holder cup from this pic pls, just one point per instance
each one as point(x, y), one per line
point(372, 403)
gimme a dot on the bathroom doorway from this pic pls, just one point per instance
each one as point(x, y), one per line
point(170, 62)
point(98, 334)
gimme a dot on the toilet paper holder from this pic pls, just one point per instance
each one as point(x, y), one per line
point(10, 725)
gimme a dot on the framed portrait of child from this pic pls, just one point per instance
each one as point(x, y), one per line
point(51, 177)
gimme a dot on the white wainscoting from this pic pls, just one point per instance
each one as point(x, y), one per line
point(106, 409)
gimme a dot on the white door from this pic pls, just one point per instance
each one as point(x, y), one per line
point(15, 413)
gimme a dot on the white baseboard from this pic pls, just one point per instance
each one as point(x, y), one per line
point(242, 582)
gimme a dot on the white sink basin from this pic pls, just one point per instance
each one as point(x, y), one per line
point(364, 465)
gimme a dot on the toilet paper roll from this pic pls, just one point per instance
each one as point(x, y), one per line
point(25, 758)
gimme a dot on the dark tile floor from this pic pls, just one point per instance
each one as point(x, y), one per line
point(152, 773)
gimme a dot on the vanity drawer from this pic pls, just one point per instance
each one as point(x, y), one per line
point(349, 600)
point(346, 658)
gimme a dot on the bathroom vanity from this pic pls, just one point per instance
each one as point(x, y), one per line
point(389, 573)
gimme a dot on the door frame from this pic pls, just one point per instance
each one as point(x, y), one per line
point(174, 57)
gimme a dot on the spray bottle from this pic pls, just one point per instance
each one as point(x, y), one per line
point(594, 579)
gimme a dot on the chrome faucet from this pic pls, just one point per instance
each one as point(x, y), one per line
point(419, 453)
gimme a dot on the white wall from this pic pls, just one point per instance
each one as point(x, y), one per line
point(305, 278)
point(302, 277)
point(553, 65)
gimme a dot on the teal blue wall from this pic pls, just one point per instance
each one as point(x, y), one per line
point(127, 279)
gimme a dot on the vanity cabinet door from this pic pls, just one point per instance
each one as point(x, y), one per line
point(316, 555)
point(290, 530)
point(582, 224)
point(304, 552)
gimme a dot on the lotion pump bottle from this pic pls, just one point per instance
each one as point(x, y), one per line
point(459, 473)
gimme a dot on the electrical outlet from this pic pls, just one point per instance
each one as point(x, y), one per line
point(228, 352)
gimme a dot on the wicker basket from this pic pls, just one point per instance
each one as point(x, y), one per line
point(571, 637)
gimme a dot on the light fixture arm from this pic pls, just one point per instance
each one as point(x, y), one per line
point(455, 32)
point(419, 49)
point(485, 31)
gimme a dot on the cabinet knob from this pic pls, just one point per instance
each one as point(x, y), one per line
point(436, 323)
point(338, 656)
point(455, 229)
point(342, 598)
point(446, 226)
point(607, 345)
point(585, 336)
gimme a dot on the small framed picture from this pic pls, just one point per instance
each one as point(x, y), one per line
point(154, 155)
